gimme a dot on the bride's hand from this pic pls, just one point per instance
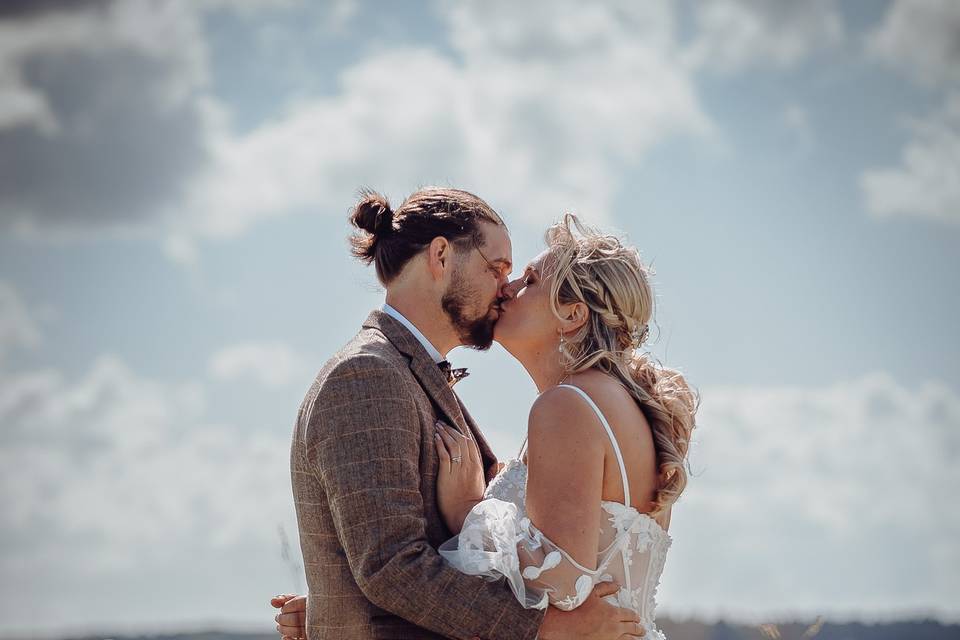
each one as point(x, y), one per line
point(291, 621)
point(460, 482)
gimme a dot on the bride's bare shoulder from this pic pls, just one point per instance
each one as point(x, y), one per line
point(601, 387)
point(558, 417)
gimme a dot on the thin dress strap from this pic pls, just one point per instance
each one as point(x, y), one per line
point(613, 439)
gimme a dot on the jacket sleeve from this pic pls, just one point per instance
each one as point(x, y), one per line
point(364, 439)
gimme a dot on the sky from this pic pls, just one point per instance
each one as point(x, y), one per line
point(175, 179)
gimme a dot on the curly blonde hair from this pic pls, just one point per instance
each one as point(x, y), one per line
point(598, 270)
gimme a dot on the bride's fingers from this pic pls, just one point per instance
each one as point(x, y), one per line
point(463, 441)
point(453, 447)
point(442, 453)
point(474, 450)
point(466, 448)
point(470, 449)
point(280, 600)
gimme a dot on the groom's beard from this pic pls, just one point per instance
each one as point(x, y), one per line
point(476, 333)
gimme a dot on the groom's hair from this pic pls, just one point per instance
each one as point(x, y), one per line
point(390, 238)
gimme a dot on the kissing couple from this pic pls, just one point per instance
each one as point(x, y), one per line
point(409, 526)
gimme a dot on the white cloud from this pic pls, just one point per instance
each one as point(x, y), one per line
point(22, 106)
point(18, 328)
point(829, 501)
point(273, 364)
point(534, 113)
point(102, 122)
point(922, 39)
point(106, 116)
point(123, 482)
point(539, 116)
point(733, 35)
point(926, 183)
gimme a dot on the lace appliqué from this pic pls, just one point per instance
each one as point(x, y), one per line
point(499, 540)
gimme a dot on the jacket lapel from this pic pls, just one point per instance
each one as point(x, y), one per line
point(422, 365)
point(486, 453)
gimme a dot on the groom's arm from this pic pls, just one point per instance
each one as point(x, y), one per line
point(365, 442)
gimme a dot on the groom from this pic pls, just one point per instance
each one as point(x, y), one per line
point(363, 459)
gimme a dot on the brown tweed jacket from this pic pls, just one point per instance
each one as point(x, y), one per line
point(364, 465)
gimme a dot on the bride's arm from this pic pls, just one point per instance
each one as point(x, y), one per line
point(565, 479)
point(549, 556)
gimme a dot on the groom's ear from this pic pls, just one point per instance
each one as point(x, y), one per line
point(439, 256)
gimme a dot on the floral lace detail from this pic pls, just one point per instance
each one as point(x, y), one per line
point(498, 539)
point(510, 484)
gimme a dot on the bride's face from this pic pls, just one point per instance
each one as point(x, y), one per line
point(526, 322)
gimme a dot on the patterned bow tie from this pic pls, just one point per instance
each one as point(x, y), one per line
point(452, 375)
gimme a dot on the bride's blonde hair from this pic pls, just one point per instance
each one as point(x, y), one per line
point(599, 271)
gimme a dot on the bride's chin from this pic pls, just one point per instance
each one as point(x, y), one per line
point(500, 337)
point(505, 340)
point(506, 344)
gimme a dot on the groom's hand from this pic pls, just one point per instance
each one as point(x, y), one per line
point(291, 621)
point(595, 619)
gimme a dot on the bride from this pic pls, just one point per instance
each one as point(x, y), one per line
point(589, 497)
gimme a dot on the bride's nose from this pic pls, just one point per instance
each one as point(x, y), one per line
point(510, 289)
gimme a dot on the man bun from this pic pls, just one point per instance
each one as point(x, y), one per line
point(373, 215)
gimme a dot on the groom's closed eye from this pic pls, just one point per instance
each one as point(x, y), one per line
point(501, 268)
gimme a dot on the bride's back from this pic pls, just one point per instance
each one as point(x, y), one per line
point(503, 532)
point(634, 435)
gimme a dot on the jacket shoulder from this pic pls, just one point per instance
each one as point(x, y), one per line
point(367, 366)
point(369, 350)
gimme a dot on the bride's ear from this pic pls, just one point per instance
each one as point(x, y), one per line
point(574, 316)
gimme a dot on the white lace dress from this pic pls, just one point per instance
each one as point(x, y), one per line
point(498, 539)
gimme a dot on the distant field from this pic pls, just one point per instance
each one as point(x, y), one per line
point(681, 630)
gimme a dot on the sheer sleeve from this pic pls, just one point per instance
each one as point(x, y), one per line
point(498, 540)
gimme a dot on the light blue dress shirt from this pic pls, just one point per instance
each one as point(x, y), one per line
point(396, 315)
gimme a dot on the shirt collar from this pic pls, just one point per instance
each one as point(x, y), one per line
point(396, 315)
